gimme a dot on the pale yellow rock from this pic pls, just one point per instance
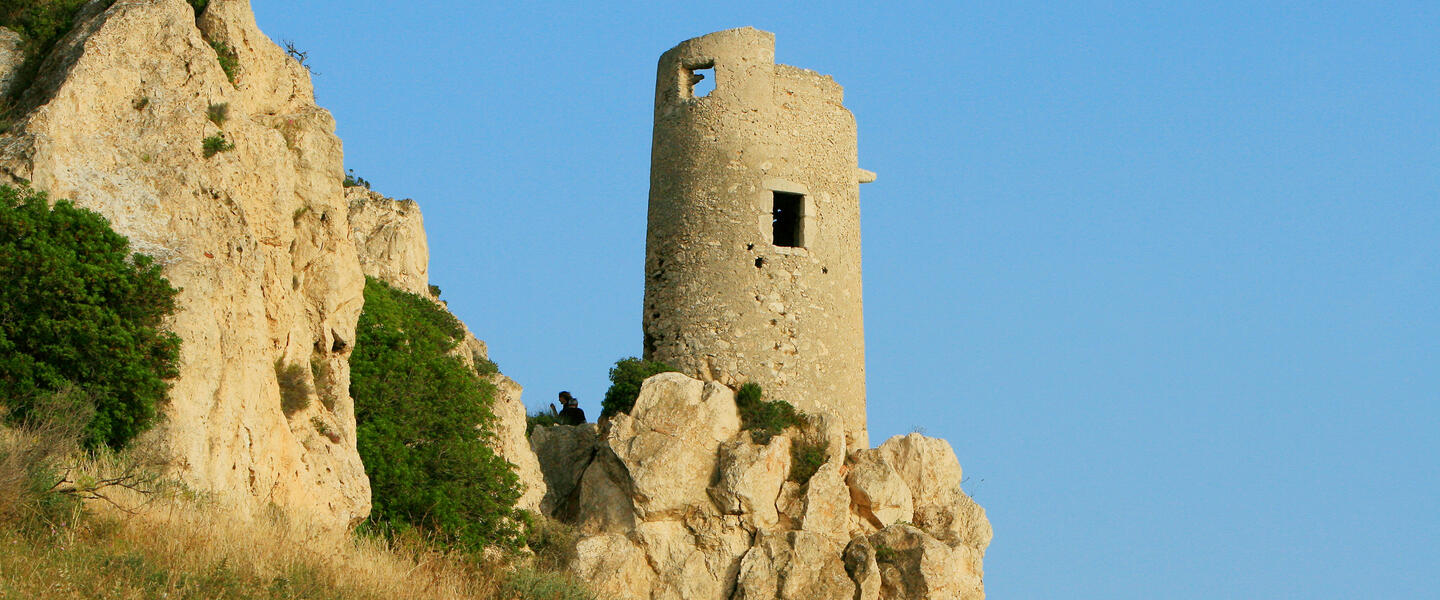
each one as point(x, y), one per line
point(795, 565)
point(750, 479)
point(826, 503)
point(613, 567)
point(929, 468)
point(390, 237)
point(878, 495)
point(668, 442)
point(511, 444)
point(255, 237)
point(915, 565)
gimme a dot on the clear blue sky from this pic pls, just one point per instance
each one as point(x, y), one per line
point(1167, 278)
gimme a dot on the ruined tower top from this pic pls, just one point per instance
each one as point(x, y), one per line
point(752, 258)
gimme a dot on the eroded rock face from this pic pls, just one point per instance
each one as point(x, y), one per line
point(255, 237)
point(931, 472)
point(794, 565)
point(10, 59)
point(390, 237)
point(879, 494)
point(913, 564)
point(667, 443)
point(696, 509)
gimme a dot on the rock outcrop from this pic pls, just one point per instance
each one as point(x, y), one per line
point(254, 235)
point(10, 60)
point(390, 237)
point(675, 500)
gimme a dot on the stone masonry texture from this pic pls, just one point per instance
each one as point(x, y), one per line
point(723, 301)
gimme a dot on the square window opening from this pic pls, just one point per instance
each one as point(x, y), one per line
point(699, 80)
point(787, 220)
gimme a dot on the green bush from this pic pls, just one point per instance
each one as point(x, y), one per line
point(229, 60)
point(424, 424)
point(625, 379)
point(544, 418)
point(806, 457)
point(199, 6)
point(353, 180)
point(77, 308)
point(41, 24)
point(763, 419)
point(294, 390)
point(215, 144)
point(552, 541)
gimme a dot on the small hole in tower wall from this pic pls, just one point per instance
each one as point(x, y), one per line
point(699, 80)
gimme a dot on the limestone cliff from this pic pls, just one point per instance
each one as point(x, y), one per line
point(674, 500)
point(390, 235)
point(255, 236)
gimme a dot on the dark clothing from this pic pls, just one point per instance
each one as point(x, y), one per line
point(572, 415)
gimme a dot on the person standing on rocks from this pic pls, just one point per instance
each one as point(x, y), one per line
point(571, 414)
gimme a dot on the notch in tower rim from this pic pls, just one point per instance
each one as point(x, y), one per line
point(697, 79)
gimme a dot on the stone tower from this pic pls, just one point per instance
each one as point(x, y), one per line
point(752, 260)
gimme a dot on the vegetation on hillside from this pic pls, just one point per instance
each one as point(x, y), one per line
point(424, 424)
point(41, 24)
point(160, 540)
point(625, 379)
point(79, 310)
point(766, 419)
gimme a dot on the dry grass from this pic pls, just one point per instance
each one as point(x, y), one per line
point(156, 540)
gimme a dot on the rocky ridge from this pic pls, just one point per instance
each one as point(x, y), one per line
point(255, 236)
point(675, 500)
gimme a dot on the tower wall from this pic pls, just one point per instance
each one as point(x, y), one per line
point(723, 302)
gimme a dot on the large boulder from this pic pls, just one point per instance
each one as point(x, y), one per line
point(879, 496)
point(913, 564)
point(563, 452)
point(510, 441)
point(750, 478)
point(794, 565)
point(613, 567)
point(932, 473)
point(669, 440)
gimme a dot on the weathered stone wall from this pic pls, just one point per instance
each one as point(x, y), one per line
point(255, 237)
point(722, 301)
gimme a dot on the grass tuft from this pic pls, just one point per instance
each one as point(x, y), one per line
point(294, 390)
point(216, 144)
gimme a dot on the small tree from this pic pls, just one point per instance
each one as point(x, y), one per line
point(77, 308)
point(424, 426)
point(625, 379)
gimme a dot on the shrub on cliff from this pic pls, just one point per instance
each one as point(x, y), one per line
point(423, 426)
point(78, 309)
point(763, 419)
point(625, 379)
